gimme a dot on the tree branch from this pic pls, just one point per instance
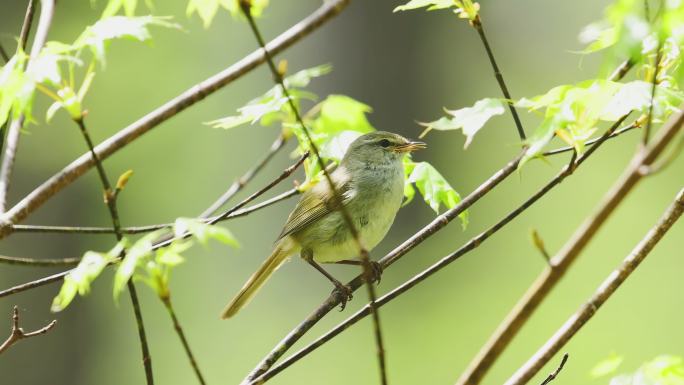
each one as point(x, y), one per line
point(477, 24)
point(467, 247)
point(47, 10)
point(186, 346)
point(242, 181)
point(562, 261)
point(603, 292)
point(193, 95)
point(18, 333)
point(555, 373)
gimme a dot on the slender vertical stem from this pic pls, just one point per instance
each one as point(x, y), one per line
point(601, 295)
point(246, 8)
point(110, 200)
point(477, 24)
point(649, 122)
point(184, 341)
point(46, 13)
point(26, 26)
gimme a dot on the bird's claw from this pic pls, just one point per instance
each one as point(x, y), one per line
point(343, 293)
point(375, 272)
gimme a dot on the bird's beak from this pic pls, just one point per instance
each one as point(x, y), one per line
point(410, 146)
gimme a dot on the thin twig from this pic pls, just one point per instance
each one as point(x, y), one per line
point(477, 24)
point(236, 210)
point(18, 333)
point(39, 262)
point(4, 54)
point(467, 247)
point(591, 141)
point(110, 199)
point(47, 11)
point(552, 376)
point(170, 109)
point(363, 252)
point(601, 295)
point(242, 181)
point(621, 70)
point(184, 341)
point(26, 25)
point(524, 309)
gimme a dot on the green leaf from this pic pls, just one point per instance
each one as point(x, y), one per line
point(273, 105)
point(113, 7)
point(436, 191)
point(203, 232)
point(342, 113)
point(470, 119)
point(663, 370)
point(16, 88)
point(606, 366)
point(82, 276)
point(336, 146)
point(137, 255)
point(99, 34)
point(207, 9)
point(430, 4)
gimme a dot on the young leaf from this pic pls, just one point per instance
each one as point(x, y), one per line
point(135, 256)
point(113, 7)
point(430, 4)
point(273, 105)
point(16, 88)
point(606, 366)
point(80, 278)
point(470, 119)
point(99, 34)
point(341, 113)
point(204, 232)
point(206, 9)
point(436, 191)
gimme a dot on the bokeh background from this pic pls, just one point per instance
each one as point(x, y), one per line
point(407, 66)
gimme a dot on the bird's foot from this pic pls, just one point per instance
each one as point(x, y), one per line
point(375, 273)
point(343, 293)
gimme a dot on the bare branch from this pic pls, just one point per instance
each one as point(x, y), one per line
point(47, 10)
point(601, 295)
point(170, 109)
point(562, 261)
point(39, 262)
point(18, 333)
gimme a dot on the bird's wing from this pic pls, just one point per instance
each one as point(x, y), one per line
point(317, 203)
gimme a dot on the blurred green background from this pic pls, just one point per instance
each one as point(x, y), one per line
point(407, 66)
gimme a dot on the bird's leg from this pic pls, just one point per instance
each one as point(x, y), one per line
point(342, 291)
point(376, 268)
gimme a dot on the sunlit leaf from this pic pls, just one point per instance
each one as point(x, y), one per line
point(342, 113)
point(203, 232)
point(136, 256)
point(430, 4)
point(436, 191)
point(337, 145)
point(16, 88)
point(82, 276)
point(113, 7)
point(607, 366)
point(470, 119)
point(207, 9)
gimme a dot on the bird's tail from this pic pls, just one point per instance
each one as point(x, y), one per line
point(281, 252)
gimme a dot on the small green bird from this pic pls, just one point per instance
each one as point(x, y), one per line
point(370, 181)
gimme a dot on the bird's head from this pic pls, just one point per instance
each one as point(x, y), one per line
point(380, 147)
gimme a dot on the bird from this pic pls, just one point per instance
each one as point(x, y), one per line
point(369, 181)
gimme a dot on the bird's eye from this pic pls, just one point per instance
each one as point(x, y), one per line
point(384, 143)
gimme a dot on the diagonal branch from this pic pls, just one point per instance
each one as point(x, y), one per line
point(603, 292)
point(170, 109)
point(523, 310)
point(467, 247)
point(18, 333)
point(47, 10)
